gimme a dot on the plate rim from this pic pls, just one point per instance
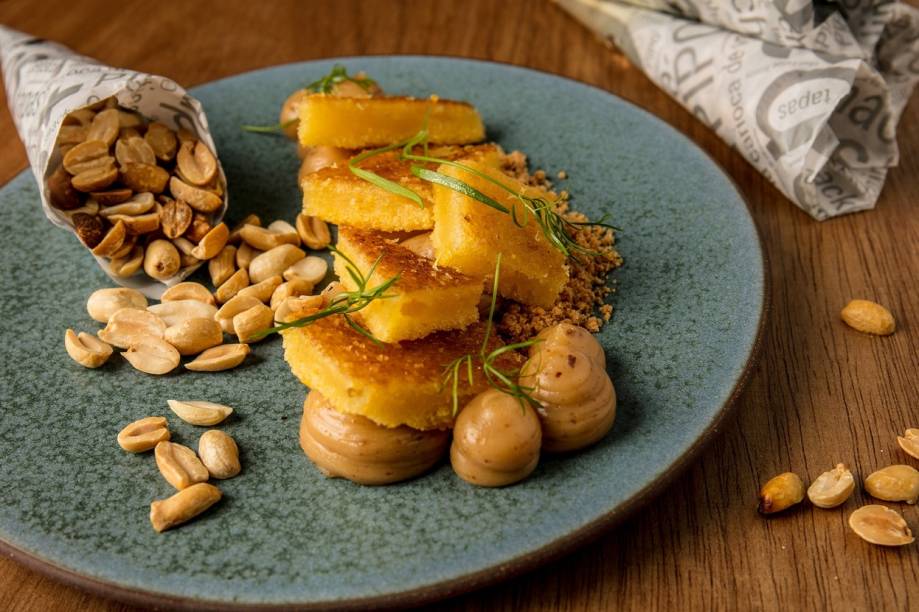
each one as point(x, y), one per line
point(493, 574)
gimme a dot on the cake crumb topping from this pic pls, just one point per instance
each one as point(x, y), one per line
point(583, 299)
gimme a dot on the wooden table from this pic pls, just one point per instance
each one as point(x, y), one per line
point(821, 394)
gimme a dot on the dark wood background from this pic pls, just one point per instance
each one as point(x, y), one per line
point(821, 393)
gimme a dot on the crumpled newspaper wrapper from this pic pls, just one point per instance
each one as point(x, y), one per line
point(807, 92)
point(45, 81)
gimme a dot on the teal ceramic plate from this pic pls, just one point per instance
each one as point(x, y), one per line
point(688, 315)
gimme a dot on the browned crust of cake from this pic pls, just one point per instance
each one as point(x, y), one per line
point(418, 361)
point(389, 166)
point(381, 100)
point(415, 272)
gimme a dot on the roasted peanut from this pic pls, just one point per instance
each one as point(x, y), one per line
point(264, 239)
point(249, 324)
point(312, 269)
point(175, 218)
point(152, 356)
point(61, 192)
point(200, 412)
point(284, 228)
point(128, 265)
point(212, 242)
point(295, 287)
point(274, 262)
point(161, 261)
point(219, 358)
point(196, 163)
point(136, 205)
point(86, 349)
point(128, 326)
point(111, 197)
point(909, 442)
point(90, 207)
point(162, 140)
point(71, 135)
point(112, 240)
point(144, 177)
point(125, 249)
point(223, 265)
point(103, 303)
point(140, 224)
point(188, 290)
point(144, 434)
point(81, 116)
point(894, 483)
point(134, 150)
point(199, 228)
point(175, 312)
point(104, 127)
point(183, 506)
point(880, 525)
point(249, 220)
point(262, 291)
point(314, 232)
point(233, 307)
point(331, 292)
point(179, 465)
point(90, 229)
point(868, 317)
point(780, 493)
point(294, 308)
point(219, 454)
point(89, 155)
point(232, 286)
point(832, 488)
point(95, 178)
point(192, 336)
point(130, 119)
point(244, 255)
point(199, 199)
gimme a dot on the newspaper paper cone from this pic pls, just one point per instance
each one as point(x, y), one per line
point(809, 96)
point(46, 81)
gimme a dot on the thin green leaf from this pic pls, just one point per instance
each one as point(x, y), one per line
point(269, 129)
point(388, 185)
point(432, 176)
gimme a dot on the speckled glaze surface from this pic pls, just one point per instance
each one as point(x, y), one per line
point(688, 311)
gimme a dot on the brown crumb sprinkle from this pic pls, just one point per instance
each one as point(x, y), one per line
point(584, 296)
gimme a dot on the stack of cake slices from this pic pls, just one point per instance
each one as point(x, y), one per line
point(444, 253)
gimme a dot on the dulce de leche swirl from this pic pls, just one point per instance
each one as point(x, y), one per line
point(354, 447)
point(574, 337)
point(576, 396)
point(496, 440)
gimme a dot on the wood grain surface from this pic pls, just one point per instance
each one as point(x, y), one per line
point(821, 393)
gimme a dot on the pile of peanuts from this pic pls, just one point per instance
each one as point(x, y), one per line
point(138, 193)
point(188, 472)
point(260, 275)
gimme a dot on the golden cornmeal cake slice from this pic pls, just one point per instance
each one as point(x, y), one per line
point(361, 123)
point(426, 298)
point(337, 195)
point(390, 384)
point(468, 235)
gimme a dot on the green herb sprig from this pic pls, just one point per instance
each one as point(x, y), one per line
point(554, 226)
point(346, 303)
point(502, 380)
point(277, 128)
point(338, 74)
